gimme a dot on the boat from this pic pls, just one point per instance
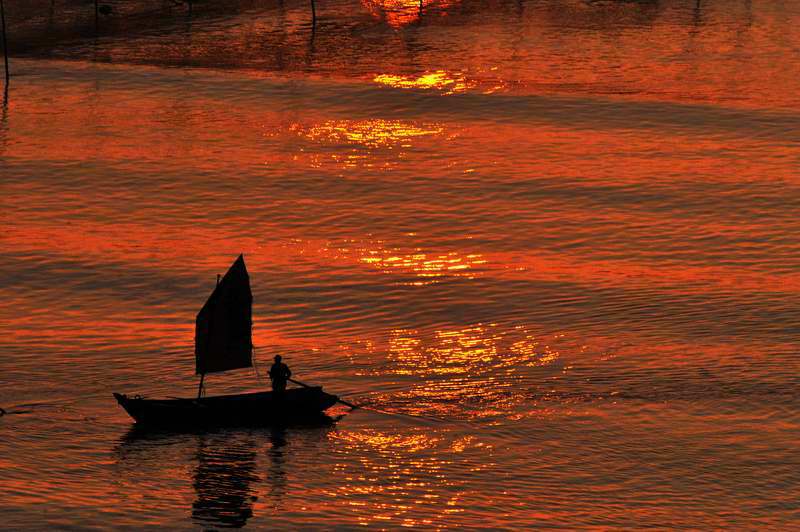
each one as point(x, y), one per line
point(262, 408)
point(223, 342)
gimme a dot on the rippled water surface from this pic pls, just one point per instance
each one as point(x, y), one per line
point(551, 245)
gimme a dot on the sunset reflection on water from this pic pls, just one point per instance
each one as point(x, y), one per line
point(428, 267)
point(371, 133)
point(481, 366)
point(399, 13)
point(468, 350)
point(411, 472)
point(446, 82)
point(549, 247)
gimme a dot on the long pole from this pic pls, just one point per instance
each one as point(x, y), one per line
point(351, 405)
point(5, 42)
point(313, 14)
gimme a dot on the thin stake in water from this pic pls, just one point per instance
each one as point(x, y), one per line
point(5, 42)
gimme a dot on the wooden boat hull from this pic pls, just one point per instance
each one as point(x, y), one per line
point(252, 409)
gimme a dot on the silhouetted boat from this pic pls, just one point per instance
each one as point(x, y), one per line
point(263, 408)
point(223, 341)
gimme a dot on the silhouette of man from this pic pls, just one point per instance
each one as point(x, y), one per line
point(279, 373)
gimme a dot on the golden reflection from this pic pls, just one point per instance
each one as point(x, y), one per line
point(391, 443)
point(404, 476)
point(398, 13)
point(529, 348)
point(447, 82)
point(425, 266)
point(404, 461)
point(370, 133)
point(467, 350)
point(477, 368)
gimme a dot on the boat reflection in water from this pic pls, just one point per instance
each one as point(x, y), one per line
point(223, 481)
point(228, 469)
point(276, 471)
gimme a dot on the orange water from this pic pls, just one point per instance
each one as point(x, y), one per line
point(551, 245)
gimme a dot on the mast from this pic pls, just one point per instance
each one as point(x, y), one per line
point(203, 375)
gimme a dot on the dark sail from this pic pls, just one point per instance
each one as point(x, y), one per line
point(223, 332)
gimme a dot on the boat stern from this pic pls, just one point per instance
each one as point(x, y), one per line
point(327, 400)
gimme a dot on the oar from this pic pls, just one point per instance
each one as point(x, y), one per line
point(304, 385)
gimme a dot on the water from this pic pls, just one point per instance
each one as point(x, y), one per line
point(551, 246)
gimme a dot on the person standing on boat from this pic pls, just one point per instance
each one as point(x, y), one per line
point(279, 373)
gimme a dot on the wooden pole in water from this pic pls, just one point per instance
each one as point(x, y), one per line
point(5, 42)
point(313, 14)
point(200, 388)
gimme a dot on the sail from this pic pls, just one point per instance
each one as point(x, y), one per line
point(223, 331)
